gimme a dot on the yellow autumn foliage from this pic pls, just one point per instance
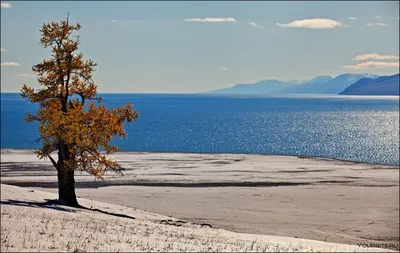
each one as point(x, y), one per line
point(76, 129)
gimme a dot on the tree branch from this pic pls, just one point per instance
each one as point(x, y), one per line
point(69, 58)
point(82, 98)
point(53, 162)
point(71, 104)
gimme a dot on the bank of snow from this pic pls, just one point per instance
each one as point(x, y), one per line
point(27, 224)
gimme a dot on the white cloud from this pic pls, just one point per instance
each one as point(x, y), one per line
point(377, 24)
point(374, 56)
point(316, 23)
point(253, 24)
point(5, 5)
point(352, 18)
point(26, 76)
point(373, 65)
point(378, 17)
point(223, 68)
point(210, 20)
point(9, 64)
point(3, 50)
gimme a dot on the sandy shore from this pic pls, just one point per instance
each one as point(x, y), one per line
point(318, 199)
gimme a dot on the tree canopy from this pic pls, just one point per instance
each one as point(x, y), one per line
point(70, 122)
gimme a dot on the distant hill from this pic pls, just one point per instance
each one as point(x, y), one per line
point(333, 86)
point(268, 86)
point(385, 85)
point(261, 87)
point(318, 85)
point(306, 87)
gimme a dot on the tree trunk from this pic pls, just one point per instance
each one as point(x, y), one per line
point(66, 187)
point(66, 181)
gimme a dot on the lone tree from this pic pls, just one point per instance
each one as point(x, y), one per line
point(77, 132)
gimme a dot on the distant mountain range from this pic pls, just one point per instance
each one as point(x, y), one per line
point(331, 86)
point(319, 85)
point(384, 85)
point(261, 87)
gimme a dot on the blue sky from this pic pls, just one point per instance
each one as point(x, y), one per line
point(179, 47)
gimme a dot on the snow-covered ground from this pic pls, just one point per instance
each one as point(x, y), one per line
point(318, 199)
point(28, 224)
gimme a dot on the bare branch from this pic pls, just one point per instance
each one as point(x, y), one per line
point(53, 162)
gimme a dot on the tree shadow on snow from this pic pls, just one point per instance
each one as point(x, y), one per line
point(46, 204)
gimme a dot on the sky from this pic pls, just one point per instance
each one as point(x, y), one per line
point(185, 47)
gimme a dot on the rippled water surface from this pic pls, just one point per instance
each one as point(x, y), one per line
point(362, 129)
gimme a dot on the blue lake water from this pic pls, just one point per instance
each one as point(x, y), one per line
point(364, 129)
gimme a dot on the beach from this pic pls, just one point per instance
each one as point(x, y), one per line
point(318, 199)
